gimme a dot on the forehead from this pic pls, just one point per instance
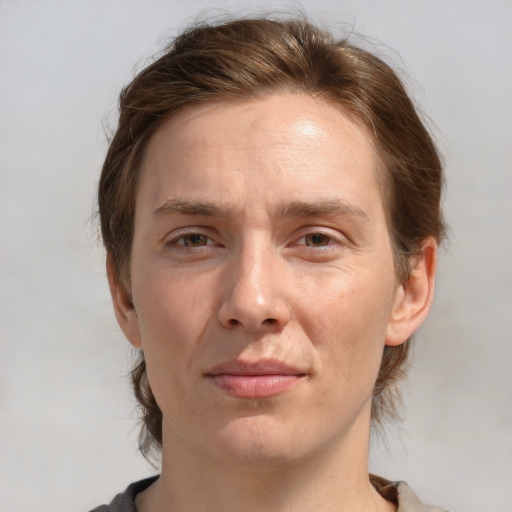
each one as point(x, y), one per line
point(295, 144)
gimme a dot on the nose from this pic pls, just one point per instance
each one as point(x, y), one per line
point(253, 298)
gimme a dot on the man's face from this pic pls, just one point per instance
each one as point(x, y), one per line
point(263, 282)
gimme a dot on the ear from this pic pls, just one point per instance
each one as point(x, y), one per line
point(123, 306)
point(414, 297)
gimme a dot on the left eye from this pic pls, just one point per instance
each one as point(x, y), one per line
point(192, 240)
point(316, 240)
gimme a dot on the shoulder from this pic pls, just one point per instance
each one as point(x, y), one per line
point(402, 495)
point(125, 501)
point(397, 492)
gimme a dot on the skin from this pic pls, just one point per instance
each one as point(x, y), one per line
point(260, 233)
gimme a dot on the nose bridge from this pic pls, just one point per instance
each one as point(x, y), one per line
point(253, 298)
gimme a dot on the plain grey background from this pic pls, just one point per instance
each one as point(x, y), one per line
point(67, 427)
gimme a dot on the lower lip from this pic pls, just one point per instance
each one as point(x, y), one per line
point(255, 386)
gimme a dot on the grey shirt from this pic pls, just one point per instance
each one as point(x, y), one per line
point(396, 492)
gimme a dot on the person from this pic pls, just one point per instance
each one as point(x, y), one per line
point(270, 209)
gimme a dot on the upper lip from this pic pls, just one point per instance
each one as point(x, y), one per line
point(260, 367)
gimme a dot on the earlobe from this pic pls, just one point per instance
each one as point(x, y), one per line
point(414, 297)
point(123, 306)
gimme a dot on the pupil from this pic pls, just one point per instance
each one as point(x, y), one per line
point(195, 239)
point(318, 239)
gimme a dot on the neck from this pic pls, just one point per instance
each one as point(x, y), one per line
point(335, 478)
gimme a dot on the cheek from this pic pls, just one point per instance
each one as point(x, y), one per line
point(345, 317)
point(172, 318)
point(171, 328)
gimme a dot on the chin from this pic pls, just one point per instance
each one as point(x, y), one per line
point(259, 442)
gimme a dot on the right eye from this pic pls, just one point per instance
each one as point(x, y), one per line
point(192, 240)
point(317, 240)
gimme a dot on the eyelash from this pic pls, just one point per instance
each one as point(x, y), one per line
point(305, 241)
point(331, 240)
point(179, 242)
point(194, 238)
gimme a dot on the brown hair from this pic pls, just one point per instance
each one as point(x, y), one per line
point(249, 58)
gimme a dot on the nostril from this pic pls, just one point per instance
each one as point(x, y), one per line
point(233, 322)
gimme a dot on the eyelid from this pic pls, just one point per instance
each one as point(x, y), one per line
point(330, 240)
point(207, 239)
point(172, 238)
point(335, 236)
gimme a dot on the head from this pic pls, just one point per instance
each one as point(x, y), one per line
point(255, 59)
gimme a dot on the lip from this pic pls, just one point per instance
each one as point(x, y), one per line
point(261, 379)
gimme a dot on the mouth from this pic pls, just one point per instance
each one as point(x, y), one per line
point(261, 379)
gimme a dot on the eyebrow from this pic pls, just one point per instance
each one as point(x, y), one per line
point(197, 207)
point(192, 207)
point(319, 208)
